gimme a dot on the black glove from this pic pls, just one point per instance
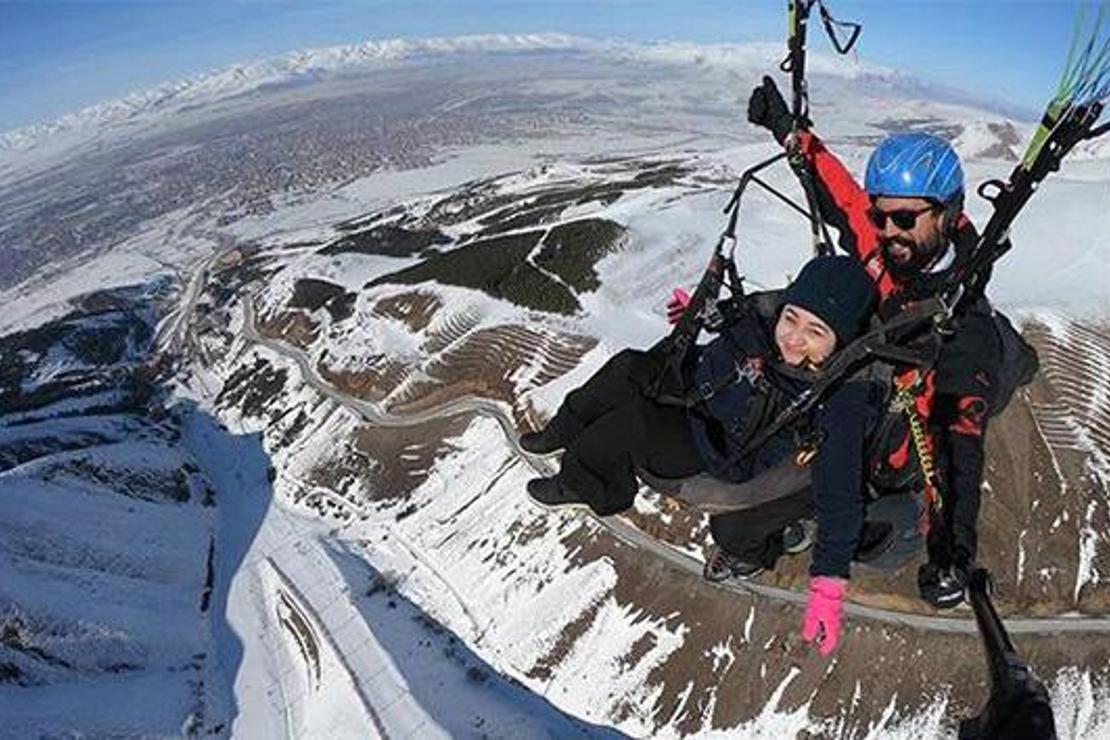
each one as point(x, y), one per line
point(943, 587)
point(767, 108)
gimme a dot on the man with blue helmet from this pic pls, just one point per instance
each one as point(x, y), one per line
point(907, 226)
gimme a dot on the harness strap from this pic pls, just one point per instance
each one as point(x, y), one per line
point(905, 398)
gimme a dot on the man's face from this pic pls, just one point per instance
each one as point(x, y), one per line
point(908, 249)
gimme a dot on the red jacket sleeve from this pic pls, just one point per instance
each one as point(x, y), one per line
point(844, 204)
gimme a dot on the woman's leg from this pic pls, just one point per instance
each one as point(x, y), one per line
point(599, 465)
point(754, 536)
point(619, 381)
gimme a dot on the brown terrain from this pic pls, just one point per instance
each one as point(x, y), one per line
point(1044, 505)
point(1041, 494)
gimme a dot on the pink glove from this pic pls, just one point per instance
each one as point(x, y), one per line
point(824, 610)
point(676, 305)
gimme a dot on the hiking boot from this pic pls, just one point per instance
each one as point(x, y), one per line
point(799, 536)
point(543, 442)
point(551, 493)
point(941, 587)
point(876, 538)
point(722, 565)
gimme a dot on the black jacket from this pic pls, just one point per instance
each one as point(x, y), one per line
point(841, 424)
point(957, 394)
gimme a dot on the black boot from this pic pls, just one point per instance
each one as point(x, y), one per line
point(942, 587)
point(877, 537)
point(722, 565)
point(799, 536)
point(543, 442)
point(551, 493)
point(558, 433)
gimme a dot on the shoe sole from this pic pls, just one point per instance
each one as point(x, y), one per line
point(732, 578)
point(798, 549)
point(542, 454)
point(569, 506)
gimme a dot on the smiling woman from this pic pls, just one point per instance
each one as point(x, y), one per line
point(631, 415)
point(803, 337)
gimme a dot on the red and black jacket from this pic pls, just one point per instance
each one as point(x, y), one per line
point(955, 393)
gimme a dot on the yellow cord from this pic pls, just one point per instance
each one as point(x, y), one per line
point(905, 398)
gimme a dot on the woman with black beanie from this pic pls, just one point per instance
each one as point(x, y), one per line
point(616, 423)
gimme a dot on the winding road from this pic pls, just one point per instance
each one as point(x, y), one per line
point(628, 533)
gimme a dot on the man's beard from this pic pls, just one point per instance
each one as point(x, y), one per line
point(920, 258)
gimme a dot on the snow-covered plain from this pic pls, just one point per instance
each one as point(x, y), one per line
point(457, 609)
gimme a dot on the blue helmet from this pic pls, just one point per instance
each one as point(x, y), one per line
point(915, 166)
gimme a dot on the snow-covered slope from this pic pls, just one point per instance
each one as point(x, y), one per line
point(312, 64)
point(358, 290)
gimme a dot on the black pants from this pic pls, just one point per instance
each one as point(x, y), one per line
point(611, 426)
point(755, 535)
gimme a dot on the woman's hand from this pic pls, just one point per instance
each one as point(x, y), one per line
point(824, 612)
point(676, 305)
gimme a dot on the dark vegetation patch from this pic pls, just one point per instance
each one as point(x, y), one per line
point(467, 203)
point(18, 453)
point(548, 205)
point(572, 249)
point(342, 308)
point(361, 222)
point(37, 404)
point(496, 267)
point(102, 338)
point(230, 281)
point(79, 343)
point(926, 125)
point(511, 219)
point(501, 212)
point(11, 674)
point(16, 635)
point(300, 422)
point(406, 512)
point(146, 485)
point(311, 294)
point(251, 386)
point(387, 240)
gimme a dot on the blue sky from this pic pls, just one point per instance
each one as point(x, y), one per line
point(56, 57)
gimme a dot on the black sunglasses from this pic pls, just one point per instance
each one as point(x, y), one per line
point(904, 218)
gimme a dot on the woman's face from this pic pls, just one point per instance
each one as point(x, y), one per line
point(801, 336)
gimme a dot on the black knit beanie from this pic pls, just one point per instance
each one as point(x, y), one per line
point(838, 290)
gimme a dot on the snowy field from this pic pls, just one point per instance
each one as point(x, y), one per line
point(453, 608)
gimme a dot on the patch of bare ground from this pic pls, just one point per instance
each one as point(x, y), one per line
point(304, 637)
point(376, 380)
point(497, 363)
point(1066, 543)
point(291, 326)
point(737, 651)
point(382, 374)
point(449, 327)
point(675, 523)
point(412, 308)
point(390, 462)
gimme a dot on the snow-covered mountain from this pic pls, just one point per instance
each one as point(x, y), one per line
point(310, 65)
point(323, 312)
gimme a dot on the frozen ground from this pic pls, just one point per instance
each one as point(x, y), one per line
point(415, 592)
